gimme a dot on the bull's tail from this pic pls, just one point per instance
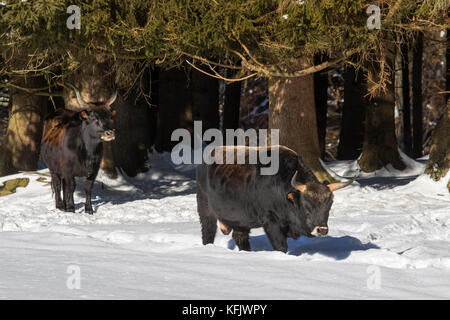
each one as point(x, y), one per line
point(208, 220)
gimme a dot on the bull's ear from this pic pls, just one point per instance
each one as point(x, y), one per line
point(113, 112)
point(291, 197)
point(84, 114)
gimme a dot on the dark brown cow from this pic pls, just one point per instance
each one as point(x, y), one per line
point(289, 203)
point(72, 146)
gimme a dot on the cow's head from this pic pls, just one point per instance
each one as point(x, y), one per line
point(97, 117)
point(314, 201)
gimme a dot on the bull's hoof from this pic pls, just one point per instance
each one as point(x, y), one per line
point(61, 206)
point(89, 211)
point(70, 209)
point(244, 247)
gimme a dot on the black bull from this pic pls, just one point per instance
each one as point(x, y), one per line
point(72, 146)
point(288, 204)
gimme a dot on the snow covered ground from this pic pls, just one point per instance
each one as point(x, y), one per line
point(389, 238)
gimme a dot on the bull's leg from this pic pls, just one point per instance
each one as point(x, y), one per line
point(276, 236)
point(208, 220)
point(64, 194)
point(88, 184)
point(241, 237)
point(69, 189)
point(56, 185)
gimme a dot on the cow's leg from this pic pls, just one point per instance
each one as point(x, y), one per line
point(276, 236)
point(69, 189)
point(208, 220)
point(64, 193)
point(241, 237)
point(88, 184)
point(56, 185)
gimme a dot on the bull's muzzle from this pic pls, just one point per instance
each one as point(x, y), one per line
point(320, 231)
point(108, 135)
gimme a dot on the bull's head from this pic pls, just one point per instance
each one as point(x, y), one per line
point(314, 202)
point(97, 116)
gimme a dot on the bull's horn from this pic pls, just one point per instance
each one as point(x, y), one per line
point(298, 186)
point(80, 100)
point(111, 99)
point(340, 185)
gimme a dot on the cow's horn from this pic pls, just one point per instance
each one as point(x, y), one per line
point(111, 99)
point(80, 100)
point(298, 186)
point(340, 185)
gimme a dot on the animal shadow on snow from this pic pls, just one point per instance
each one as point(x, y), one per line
point(149, 189)
point(382, 183)
point(102, 194)
point(338, 248)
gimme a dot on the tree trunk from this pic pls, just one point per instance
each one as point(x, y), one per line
point(130, 148)
point(447, 63)
point(175, 108)
point(205, 99)
point(398, 99)
point(292, 111)
point(321, 101)
point(439, 161)
point(231, 106)
point(380, 143)
point(153, 111)
point(352, 125)
point(417, 96)
point(198, 101)
point(321, 97)
point(21, 144)
point(406, 107)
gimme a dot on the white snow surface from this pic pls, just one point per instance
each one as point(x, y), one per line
point(389, 239)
